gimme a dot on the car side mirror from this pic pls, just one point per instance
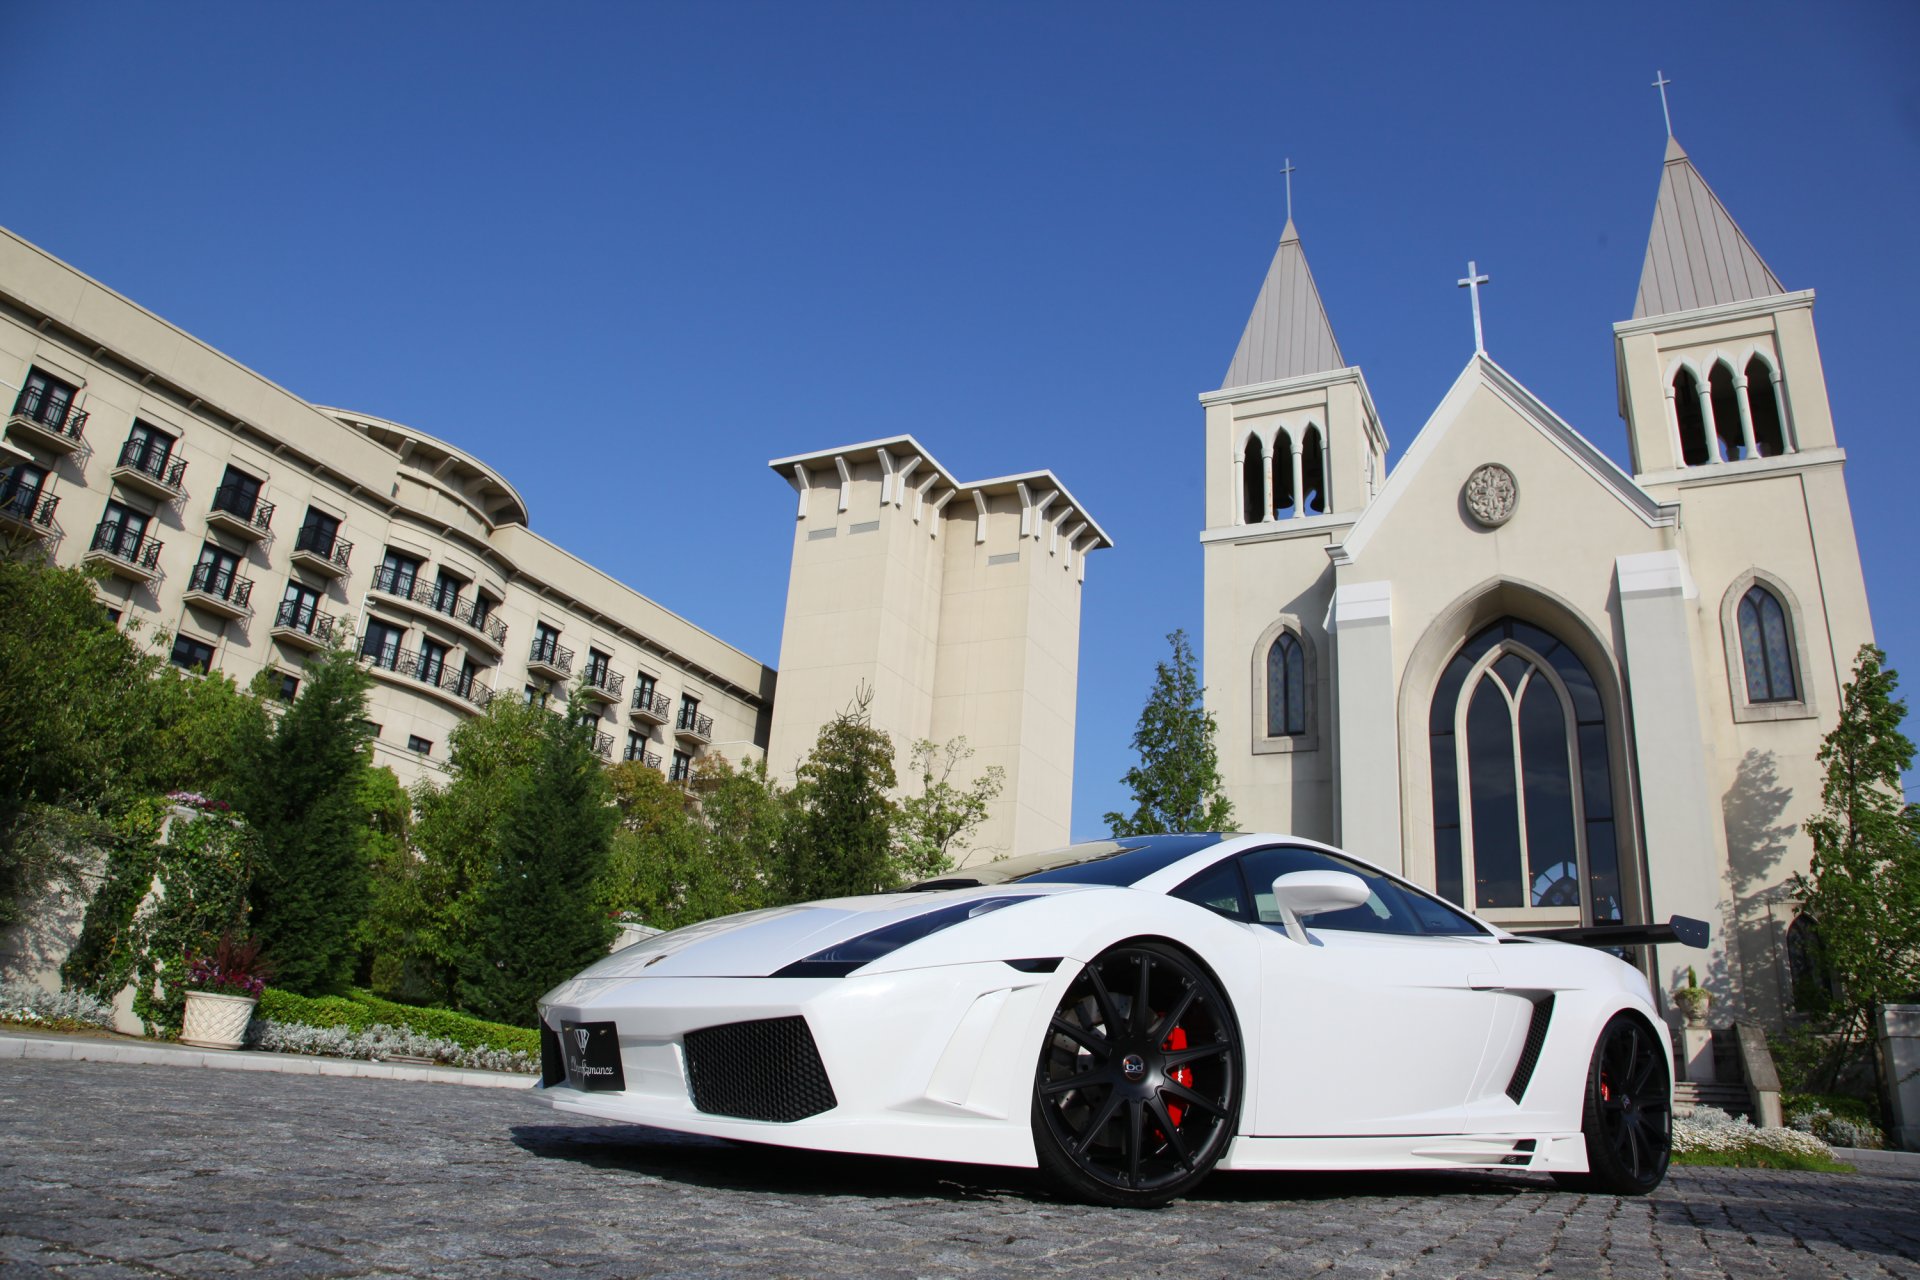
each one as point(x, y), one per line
point(1306, 893)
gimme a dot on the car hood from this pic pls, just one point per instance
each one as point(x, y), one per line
point(755, 944)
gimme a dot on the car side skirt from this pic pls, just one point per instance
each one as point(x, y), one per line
point(1514, 1152)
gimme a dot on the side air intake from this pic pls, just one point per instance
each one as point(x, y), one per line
point(763, 1070)
point(1530, 1053)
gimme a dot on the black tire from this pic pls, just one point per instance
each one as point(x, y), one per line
point(1137, 1091)
point(1628, 1117)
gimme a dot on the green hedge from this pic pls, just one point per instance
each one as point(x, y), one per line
point(359, 1010)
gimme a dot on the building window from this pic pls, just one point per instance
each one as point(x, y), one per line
point(433, 661)
point(1286, 686)
point(215, 572)
point(148, 449)
point(419, 745)
point(1766, 648)
point(689, 712)
point(373, 729)
point(397, 574)
point(289, 687)
point(1691, 419)
point(643, 686)
point(299, 608)
point(1313, 471)
point(1282, 474)
point(20, 492)
point(121, 529)
point(1763, 407)
point(536, 697)
point(194, 655)
point(546, 643)
point(45, 399)
point(636, 746)
point(1253, 482)
point(1284, 713)
point(446, 592)
point(382, 643)
point(239, 494)
point(1522, 781)
point(317, 534)
point(682, 770)
point(1761, 623)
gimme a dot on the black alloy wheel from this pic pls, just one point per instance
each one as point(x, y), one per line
point(1628, 1117)
point(1137, 1093)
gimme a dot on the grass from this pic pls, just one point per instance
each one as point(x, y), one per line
point(1760, 1158)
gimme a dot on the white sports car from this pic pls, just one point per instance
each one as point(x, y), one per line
point(1129, 1016)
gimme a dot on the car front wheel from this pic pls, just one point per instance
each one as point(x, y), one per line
point(1628, 1117)
point(1137, 1091)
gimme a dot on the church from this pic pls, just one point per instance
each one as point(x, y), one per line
point(1555, 691)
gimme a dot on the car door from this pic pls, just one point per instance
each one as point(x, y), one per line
point(1379, 1023)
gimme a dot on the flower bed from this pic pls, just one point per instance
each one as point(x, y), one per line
point(24, 1004)
point(378, 1042)
point(361, 1025)
point(1712, 1137)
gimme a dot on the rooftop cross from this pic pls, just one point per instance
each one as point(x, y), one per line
point(1288, 172)
point(1661, 82)
point(1472, 285)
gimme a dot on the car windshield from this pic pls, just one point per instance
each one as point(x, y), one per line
point(1124, 861)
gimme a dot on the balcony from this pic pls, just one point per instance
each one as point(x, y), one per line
point(603, 745)
point(49, 423)
point(124, 553)
point(412, 671)
point(649, 707)
point(470, 615)
point(28, 509)
point(149, 469)
point(240, 513)
point(322, 552)
point(302, 626)
point(640, 755)
point(548, 660)
point(602, 684)
point(693, 727)
point(220, 591)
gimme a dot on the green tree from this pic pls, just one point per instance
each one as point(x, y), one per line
point(838, 839)
point(683, 854)
point(298, 784)
point(393, 887)
point(933, 824)
point(541, 916)
point(1863, 888)
point(1176, 785)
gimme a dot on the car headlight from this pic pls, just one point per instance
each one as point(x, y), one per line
point(842, 958)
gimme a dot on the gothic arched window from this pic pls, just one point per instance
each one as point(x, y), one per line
point(1282, 474)
point(1286, 687)
point(1522, 784)
point(1763, 405)
point(1694, 450)
point(1253, 482)
point(1725, 399)
point(1313, 471)
point(1766, 647)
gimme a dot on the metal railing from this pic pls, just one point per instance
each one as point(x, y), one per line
point(603, 745)
point(392, 580)
point(304, 618)
point(29, 506)
point(49, 413)
point(430, 671)
point(328, 546)
point(648, 702)
point(224, 583)
point(641, 755)
point(605, 679)
point(237, 500)
point(550, 652)
point(122, 543)
point(155, 463)
point(691, 721)
point(682, 770)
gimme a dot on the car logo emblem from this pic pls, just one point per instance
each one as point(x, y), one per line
point(580, 1037)
point(1133, 1066)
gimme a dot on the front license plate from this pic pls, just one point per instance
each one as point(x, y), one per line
point(592, 1051)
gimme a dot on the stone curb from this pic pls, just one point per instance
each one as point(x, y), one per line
point(16, 1044)
point(1886, 1164)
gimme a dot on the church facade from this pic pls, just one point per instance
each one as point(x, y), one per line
point(1557, 692)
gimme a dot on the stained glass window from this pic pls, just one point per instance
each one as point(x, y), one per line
point(1766, 649)
point(1286, 687)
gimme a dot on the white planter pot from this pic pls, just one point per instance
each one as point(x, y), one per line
point(216, 1021)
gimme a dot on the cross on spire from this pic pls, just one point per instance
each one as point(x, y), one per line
point(1661, 82)
point(1472, 285)
point(1287, 172)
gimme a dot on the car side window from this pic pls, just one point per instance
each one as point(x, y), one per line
point(1386, 909)
point(1218, 889)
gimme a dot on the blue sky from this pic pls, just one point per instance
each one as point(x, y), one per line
point(627, 253)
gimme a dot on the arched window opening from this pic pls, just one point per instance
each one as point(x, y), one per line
point(1693, 424)
point(1764, 408)
point(1766, 647)
point(1725, 398)
point(1313, 472)
point(1812, 981)
point(1282, 474)
point(1522, 783)
point(1253, 482)
point(1286, 687)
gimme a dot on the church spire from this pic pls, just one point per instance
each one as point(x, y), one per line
point(1696, 254)
point(1287, 336)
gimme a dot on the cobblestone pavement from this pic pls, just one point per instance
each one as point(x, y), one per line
point(109, 1170)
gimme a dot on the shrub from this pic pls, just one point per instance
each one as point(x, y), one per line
point(378, 1040)
point(1834, 1119)
point(58, 1011)
point(1712, 1137)
point(361, 1011)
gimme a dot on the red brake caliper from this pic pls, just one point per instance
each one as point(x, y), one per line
point(1182, 1076)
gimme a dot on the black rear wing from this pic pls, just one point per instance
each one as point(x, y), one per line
point(1684, 930)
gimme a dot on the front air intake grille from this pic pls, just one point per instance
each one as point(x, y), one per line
point(1530, 1053)
point(764, 1070)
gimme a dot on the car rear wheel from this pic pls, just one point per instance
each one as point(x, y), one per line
point(1628, 1117)
point(1137, 1092)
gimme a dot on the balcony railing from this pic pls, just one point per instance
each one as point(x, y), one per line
point(305, 619)
point(54, 416)
point(603, 681)
point(640, 755)
point(29, 507)
point(221, 583)
point(651, 705)
point(110, 538)
point(398, 582)
point(430, 671)
point(328, 547)
point(549, 653)
point(157, 465)
point(694, 725)
point(682, 770)
point(603, 745)
point(243, 505)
